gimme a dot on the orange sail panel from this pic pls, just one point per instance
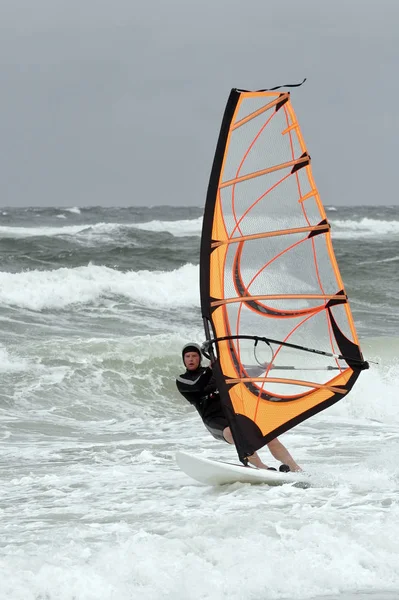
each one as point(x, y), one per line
point(268, 269)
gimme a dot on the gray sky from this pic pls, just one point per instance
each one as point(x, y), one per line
point(119, 102)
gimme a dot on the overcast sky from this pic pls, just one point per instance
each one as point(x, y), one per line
point(119, 102)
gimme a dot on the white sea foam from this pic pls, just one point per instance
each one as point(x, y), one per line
point(182, 564)
point(10, 363)
point(95, 508)
point(57, 289)
point(75, 210)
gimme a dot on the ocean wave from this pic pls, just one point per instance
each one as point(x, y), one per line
point(380, 261)
point(84, 234)
point(186, 227)
point(374, 397)
point(176, 228)
point(94, 285)
point(26, 232)
point(93, 232)
point(349, 229)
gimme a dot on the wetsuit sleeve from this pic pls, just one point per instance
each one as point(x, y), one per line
point(211, 386)
point(188, 393)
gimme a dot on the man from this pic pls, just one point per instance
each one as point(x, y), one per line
point(199, 387)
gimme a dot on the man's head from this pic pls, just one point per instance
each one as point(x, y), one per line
point(191, 355)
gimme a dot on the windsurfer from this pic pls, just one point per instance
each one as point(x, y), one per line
point(199, 387)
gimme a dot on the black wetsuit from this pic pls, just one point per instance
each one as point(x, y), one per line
point(200, 389)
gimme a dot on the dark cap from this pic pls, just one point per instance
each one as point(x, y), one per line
point(191, 347)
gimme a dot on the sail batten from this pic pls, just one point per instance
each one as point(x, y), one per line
point(268, 272)
point(310, 384)
point(292, 163)
point(277, 101)
point(277, 297)
point(256, 236)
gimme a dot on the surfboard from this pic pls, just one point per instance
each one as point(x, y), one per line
point(215, 472)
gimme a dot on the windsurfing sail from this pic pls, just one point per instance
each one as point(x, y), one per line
point(277, 320)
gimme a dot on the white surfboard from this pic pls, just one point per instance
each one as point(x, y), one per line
point(215, 472)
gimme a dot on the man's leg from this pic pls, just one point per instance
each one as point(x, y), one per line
point(281, 454)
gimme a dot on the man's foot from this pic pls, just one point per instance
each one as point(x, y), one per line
point(255, 461)
point(261, 465)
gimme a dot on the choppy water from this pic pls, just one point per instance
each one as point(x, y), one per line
point(95, 305)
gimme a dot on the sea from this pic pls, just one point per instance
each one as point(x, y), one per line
point(95, 306)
